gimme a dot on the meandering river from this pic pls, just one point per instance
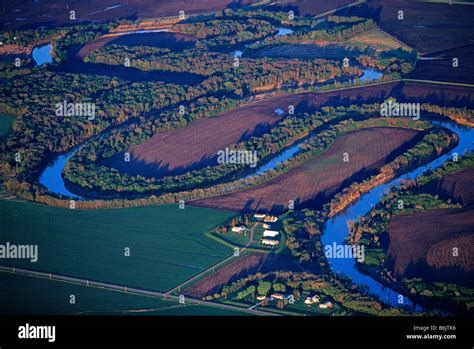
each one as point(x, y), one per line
point(52, 178)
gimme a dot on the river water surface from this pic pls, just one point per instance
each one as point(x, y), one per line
point(336, 230)
point(42, 55)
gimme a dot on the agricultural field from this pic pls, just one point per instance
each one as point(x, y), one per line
point(378, 40)
point(316, 181)
point(438, 66)
point(247, 264)
point(374, 39)
point(49, 13)
point(183, 149)
point(309, 7)
point(426, 26)
point(53, 298)
point(455, 186)
point(167, 245)
point(421, 245)
point(195, 146)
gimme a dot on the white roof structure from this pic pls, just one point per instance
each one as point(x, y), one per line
point(326, 305)
point(270, 242)
point(238, 229)
point(270, 219)
point(270, 233)
point(259, 215)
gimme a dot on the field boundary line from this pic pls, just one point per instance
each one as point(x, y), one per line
point(438, 82)
point(222, 262)
point(355, 3)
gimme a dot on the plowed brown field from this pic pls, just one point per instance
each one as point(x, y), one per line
point(317, 180)
point(457, 186)
point(421, 245)
point(426, 26)
point(244, 265)
point(196, 145)
point(53, 13)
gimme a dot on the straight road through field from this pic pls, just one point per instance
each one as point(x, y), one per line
point(125, 289)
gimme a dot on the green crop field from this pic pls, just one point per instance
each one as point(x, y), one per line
point(167, 245)
point(27, 295)
point(6, 122)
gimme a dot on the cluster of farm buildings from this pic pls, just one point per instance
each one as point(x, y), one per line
point(270, 237)
point(308, 301)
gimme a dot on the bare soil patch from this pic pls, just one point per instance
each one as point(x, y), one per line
point(457, 186)
point(54, 13)
point(239, 268)
point(173, 41)
point(421, 245)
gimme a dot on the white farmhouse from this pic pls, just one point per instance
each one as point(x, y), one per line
point(270, 233)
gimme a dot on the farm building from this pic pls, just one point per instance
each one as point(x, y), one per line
point(259, 216)
point(268, 242)
point(270, 219)
point(311, 300)
point(277, 296)
point(238, 229)
point(266, 226)
point(326, 305)
point(261, 298)
point(270, 233)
